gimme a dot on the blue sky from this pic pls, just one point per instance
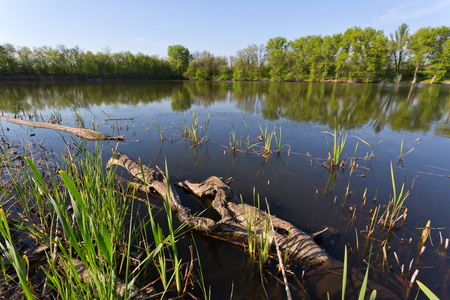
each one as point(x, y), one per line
point(221, 27)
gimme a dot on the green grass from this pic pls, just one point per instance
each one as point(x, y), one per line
point(395, 206)
point(257, 222)
point(193, 132)
point(267, 139)
point(85, 220)
point(19, 263)
point(427, 291)
point(362, 291)
point(159, 129)
point(278, 142)
point(403, 155)
point(372, 148)
point(339, 140)
point(79, 119)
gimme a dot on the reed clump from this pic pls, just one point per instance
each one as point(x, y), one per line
point(194, 132)
point(82, 217)
point(334, 155)
point(258, 221)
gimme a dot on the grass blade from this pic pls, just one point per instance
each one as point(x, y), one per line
point(427, 291)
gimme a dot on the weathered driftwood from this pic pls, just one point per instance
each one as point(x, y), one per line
point(228, 220)
point(84, 133)
point(231, 216)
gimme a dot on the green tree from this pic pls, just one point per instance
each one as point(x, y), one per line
point(25, 59)
point(179, 58)
point(277, 49)
point(7, 62)
point(421, 46)
point(341, 48)
point(368, 53)
point(299, 56)
point(398, 46)
point(440, 58)
point(247, 64)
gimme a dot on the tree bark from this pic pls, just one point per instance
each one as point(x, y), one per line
point(415, 74)
point(229, 217)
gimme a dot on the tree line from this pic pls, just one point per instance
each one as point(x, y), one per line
point(62, 60)
point(357, 55)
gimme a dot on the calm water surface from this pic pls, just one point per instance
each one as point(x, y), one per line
point(298, 190)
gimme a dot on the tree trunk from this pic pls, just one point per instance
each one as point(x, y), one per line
point(415, 74)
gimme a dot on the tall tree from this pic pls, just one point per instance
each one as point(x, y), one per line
point(7, 62)
point(440, 58)
point(246, 64)
point(277, 49)
point(179, 58)
point(368, 53)
point(421, 46)
point(398, 41)
point(25, 59)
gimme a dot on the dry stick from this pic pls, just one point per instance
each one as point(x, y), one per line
point(189, 270)
point(413, 278)
point(80, 132)
point(232, 289)
point(280, 260)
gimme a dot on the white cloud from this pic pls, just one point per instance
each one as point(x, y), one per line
point(407, 10)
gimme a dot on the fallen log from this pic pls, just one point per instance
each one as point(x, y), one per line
point(231, 216)
point(84, 133)
point(228, 221)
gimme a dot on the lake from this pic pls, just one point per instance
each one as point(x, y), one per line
point(297, 186)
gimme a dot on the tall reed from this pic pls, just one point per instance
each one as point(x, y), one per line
point(257, 222)
point(267, 139)
point(19, 263)
point(395, 206)
point(339, 140)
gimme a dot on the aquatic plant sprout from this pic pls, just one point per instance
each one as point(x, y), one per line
point(339, 140)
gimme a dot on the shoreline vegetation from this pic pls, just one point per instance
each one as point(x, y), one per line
point(357, 55)
point(87, 242)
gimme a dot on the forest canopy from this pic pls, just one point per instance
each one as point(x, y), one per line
point(357, 55)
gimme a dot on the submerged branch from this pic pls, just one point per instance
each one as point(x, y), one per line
point(84, 133)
